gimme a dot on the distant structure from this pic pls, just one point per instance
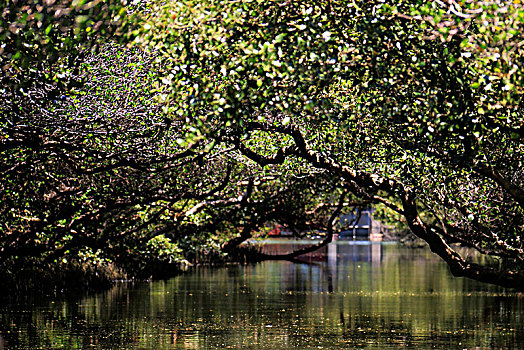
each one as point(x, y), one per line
point(362, 225)
point(359, 225)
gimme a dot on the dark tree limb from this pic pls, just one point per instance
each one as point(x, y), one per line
point(458, 266)
point(515, 191)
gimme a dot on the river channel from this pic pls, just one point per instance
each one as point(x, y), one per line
point(352, 295)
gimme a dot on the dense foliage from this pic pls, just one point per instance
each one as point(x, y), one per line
point(225, 116)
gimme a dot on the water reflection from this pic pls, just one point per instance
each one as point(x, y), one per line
point(371, 296)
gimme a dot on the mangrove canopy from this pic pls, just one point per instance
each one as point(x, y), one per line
point(161, 132)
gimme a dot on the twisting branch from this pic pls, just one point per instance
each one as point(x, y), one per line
point(458, 266)
point(515, 191)
point(373, 183)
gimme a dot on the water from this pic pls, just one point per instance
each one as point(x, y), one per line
point(354, 296)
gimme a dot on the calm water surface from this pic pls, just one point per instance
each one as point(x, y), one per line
point(351, 295)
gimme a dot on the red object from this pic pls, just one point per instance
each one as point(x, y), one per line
point(275, 231)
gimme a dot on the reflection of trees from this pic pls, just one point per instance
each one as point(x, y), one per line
point(60, 326)
point(406, 302)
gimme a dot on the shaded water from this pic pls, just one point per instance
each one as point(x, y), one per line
point(355, 296)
